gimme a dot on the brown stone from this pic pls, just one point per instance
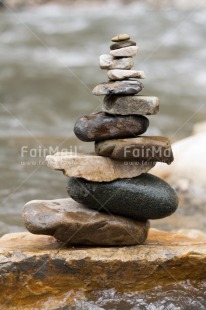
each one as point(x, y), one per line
point(139, 149)
point(39, 272)
point(73, 223)
point(94, 168)
point(101, 126)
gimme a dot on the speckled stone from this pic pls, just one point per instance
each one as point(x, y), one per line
point(129, 51)
point(122, 44)
point(109, 62)
point(126, 105)
point(128, 87)
point(143, 197)
point(117, 74)
point(73, 223)
point(101, 126)
point(151, 149)
point(121, 37)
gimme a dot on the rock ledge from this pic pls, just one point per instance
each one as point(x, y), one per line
point(38, 271)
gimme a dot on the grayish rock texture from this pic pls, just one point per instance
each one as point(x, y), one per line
point(109, 62)
point(117, 74)
point(125, 105)
point(125, 51)
point(128, 87)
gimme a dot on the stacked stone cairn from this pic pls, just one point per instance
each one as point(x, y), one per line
point(112, 195)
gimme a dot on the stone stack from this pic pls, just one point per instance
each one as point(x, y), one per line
point(112, 195)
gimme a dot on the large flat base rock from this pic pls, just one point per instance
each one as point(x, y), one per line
point(38, 273)
point(73, 223)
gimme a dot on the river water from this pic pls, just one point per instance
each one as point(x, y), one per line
point(49, 63)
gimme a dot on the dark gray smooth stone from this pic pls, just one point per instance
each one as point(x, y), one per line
point(143, 197)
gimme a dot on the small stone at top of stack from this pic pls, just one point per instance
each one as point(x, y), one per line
point(123, 81)
point(119, 63)
point(120, 60)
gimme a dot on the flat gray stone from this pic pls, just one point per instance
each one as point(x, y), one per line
point(122, 44)
point(95, 168)
point(117, 74)
point(125, 51)
point(101, 126)
point(124, 105)
point(128, 87)
point(109, 62)
point(75, 224)
point(143, 197)
point(149, 149)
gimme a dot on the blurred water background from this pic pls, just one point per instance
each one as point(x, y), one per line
point(49, 63)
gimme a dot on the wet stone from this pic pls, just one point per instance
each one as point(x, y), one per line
point(143, 197)
point(128, 87)
point(101, 126)
point(75, 224)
